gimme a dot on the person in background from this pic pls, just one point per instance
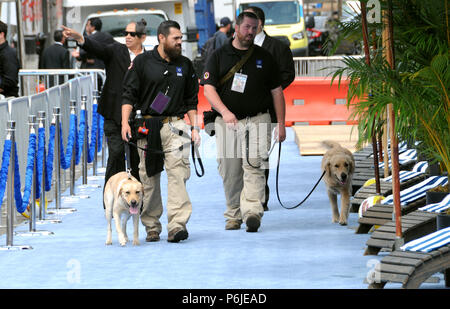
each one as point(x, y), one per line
point(222, 34)
point(56, 56)
point(9, 65)
point(117, 58)
point(285, 61)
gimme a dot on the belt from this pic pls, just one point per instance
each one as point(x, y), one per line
point(163, 120)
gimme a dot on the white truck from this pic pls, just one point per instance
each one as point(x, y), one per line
point(116, 14)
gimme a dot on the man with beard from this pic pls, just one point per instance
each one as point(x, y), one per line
point(117, 58)
point(241, 81)
point(285, 62)
point(162, 84)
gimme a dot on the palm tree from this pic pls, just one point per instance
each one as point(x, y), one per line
point(417, 86)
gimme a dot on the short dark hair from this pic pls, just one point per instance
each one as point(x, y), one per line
point(58, 35)
point(164, 27)
point(3, 28)
point(140, 27)
point(241, 16)
point(259, 13)
point(96, 23)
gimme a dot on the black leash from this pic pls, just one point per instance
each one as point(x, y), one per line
point(278, 194)
point(194, 150)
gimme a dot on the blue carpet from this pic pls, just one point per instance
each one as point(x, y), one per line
point(293, 249)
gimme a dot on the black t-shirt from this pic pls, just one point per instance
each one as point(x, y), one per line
point(149, 74)
point(262, 76)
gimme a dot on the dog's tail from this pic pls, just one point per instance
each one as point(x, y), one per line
point(330, 144)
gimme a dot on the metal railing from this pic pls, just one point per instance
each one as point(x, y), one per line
point(318, 66)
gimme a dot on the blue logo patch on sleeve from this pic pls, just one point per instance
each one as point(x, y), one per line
point(179, 71)
point(259, 64)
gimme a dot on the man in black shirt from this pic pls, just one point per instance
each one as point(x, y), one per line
point(9, 66)
point(285, 62)
point(242, 129)
point(162, 84)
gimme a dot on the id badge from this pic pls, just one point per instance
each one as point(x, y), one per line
point(239, 82)
point(160, 103)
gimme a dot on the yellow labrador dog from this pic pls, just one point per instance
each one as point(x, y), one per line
point(123, 198)
point(338, 164)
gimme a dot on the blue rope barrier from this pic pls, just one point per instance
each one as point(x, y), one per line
point(94, 132)
point(101, 122)
point(67, 157)
point(80, 138)
point(22, 202)
point(49, 159)
point(4, 170)
point(40, 160)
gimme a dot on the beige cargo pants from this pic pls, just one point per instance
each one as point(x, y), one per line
point(177, 167)
point(244, 185)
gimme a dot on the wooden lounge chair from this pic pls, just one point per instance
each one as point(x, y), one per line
point(411, 199)
point(411, 269)
point(415, 262)
point(414, 225)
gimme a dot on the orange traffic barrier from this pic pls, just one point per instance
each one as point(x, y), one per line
point(312, 100)
point(40, 88)
point(317, 101)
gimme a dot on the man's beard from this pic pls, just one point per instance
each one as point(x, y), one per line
point(172, 52)
point(244, 42)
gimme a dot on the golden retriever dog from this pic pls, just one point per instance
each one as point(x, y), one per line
point(338, 164)
point(123, 198)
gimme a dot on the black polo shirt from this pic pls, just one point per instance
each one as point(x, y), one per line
point(262, 76)
point(150, 74)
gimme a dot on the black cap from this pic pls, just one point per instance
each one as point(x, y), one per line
point(225, 21)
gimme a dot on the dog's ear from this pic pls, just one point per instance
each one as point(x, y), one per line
point(352, 166)
point(328, 168)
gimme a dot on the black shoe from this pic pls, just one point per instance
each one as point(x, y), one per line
point(152, 236)
point(253, 222)
point(177, 235)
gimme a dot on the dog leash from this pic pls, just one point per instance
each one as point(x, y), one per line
point(194, 150)
point(278, 193)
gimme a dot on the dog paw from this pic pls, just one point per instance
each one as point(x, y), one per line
point(123, 243)
point(136, 242)
point(341, 222)
point(108, 243)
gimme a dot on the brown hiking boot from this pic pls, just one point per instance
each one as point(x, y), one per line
point(152, 236)
point(177, 234)
point(253, 222)
point(233, 225)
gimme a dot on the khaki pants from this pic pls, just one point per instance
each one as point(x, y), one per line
point(244, 185)
point(177, 166)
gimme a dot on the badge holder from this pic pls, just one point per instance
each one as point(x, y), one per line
point(160, 102)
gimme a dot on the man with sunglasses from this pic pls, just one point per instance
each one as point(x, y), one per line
point(162, 84)
point(117, 58)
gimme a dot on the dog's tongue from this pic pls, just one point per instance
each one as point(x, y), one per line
point(134, 210)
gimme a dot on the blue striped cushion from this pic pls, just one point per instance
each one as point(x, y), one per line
point(438, 207)
point(403, 158)
point(417, 191)
point(430, 242)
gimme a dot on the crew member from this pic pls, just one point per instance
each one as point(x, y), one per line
point(162, 84)
point(285, 62)
point(243, 101)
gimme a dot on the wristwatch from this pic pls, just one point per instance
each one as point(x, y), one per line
point(195, 128)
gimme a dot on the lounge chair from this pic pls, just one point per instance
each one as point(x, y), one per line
point(410, 199)
point(415, 262)
point(414, 225)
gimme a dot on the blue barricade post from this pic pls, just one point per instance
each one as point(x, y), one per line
point(11, 128)
point(85, 137)
point(95, 97)
point(57, 121)
point(42, 166)
point(73, 111)
point(33, 128)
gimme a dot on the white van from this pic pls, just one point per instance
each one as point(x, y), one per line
point(114, 22)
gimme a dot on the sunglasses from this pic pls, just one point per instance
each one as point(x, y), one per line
point(133, 34)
